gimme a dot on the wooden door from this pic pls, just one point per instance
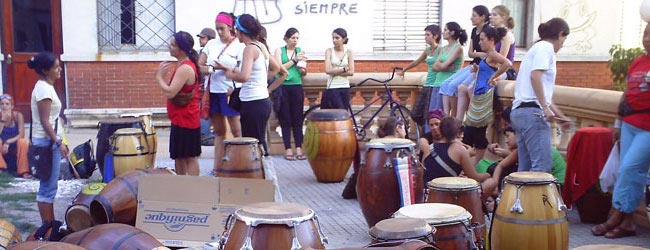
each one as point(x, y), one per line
point(29, 27)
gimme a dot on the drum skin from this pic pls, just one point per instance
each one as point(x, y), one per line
point(130, 150)
point(468, 197)
point(242, 159)
point(9, 234)
point(330, 144)
point(408, 245)
point(542, 223)
point(44, 245)
point(449, 221)
point(117, 202)
point(112, 236)
point(377, 188)
point(77, 216)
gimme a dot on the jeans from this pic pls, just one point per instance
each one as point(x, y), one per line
point(47, 188)
point(635, 160)
point(465, 76)
point(533, 139)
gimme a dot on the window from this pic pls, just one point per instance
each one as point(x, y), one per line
point(519, 10)
point(399, 24)
point(140, 25)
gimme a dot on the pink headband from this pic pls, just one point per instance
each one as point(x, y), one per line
point(224, 18)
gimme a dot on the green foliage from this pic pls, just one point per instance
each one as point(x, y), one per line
point(618, 63)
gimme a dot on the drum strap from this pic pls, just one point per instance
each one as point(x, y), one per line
point(443, 164)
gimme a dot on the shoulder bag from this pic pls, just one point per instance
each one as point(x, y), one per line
point(40, 157)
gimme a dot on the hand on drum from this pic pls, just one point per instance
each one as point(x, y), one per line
point(497, 150)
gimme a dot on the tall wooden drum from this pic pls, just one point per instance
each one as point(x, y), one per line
point(150, 133)
point(130, 150)
point(450, 221)
point(270, 225)
point(378, 189)
point(330, 144)
point(112, 236)
point(242, 159)
point(106, 130)
point(530, 214)
point(464, 192)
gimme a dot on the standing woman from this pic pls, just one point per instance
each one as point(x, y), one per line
point(293, 96)
point(185, 134)
point(256, 65)
point(448, 63)
point(635, 149)
point(339, 64)
point(421, 106)
point(533, 108)
point(47, 128)
point(226, 49)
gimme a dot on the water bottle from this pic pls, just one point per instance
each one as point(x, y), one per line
point(109, 170)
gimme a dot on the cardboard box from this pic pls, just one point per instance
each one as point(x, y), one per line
point(188, 211)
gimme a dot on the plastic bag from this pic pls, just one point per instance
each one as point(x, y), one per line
point(608, 175)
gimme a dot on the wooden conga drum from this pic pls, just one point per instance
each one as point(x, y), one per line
point(44, 245)
point(150, 133)
point(242, 159)
point(9, 234)
point(117, 202)
point(450, 221)
point(330, 144)
point(112, 236)
point(608, 247)
point(378, 190)
point(106, 130)
point(130, 150)
point(530, 214)
point(401, 229)
point(77, 217)
point(270, 225)
point(464, 192)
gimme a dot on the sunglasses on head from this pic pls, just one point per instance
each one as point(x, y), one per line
point(5, 97)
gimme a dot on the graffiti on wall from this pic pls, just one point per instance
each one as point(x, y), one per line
point(581, 19)
point(269, 11)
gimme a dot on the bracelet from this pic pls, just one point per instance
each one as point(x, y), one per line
point(294, 61)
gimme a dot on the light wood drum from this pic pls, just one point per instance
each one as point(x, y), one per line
point(130, 150)
point(150, 133)
point(450, 221)
point(401, 229)
point(242, 159)
point(9, 234)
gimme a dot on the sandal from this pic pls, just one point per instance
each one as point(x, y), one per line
point(600, 229)
point(301, 156)
point(289, 157)
point(619, 232)
point(26, 175)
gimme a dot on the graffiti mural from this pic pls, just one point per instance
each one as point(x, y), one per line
point(266, 11)
point(269, 11)
point(581, 19)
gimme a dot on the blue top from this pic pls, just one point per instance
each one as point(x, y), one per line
point(9, 132)
point(485, 71)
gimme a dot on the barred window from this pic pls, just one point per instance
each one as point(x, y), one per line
point(399, 24)
point(134, 25)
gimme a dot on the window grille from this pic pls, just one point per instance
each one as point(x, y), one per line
point(134, 25)
point(399, 24)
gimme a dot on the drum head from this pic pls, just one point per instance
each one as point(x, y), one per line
point(93, 188)
point(453, 183)
point(241, 141)
point(329, 115)
point(128, 131)
point(530, 177)
point(401, 228)
point(390, 143)
point(273, 213)
point(435, 213)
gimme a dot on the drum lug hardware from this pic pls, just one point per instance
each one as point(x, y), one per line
point(225, 158)
point(388, 164)
point(323, 239)
point(295, 244)
point(560, 203)
point(248, 244)
point(255, 156)
point(516, 208)
point(139, 147)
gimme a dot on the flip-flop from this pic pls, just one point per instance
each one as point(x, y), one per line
point(599, 230)
point(27, 176)
point(289, 157)
point(619, 232)
point(301, 156)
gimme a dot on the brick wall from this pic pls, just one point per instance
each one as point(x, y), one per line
point(95, 85)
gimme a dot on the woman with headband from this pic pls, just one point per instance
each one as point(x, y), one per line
point(226, 51)
point(185, 134)
point(257, 64)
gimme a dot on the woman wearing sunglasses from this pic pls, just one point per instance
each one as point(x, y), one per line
point(13, 144)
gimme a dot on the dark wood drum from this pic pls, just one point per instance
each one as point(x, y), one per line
point(113, 236)
point(401, 229)
point(44, 245)
point(270, 225)
point(330, 144)
point(450, 221)
point(77, 217)
point(242, 159)
point(378, 189)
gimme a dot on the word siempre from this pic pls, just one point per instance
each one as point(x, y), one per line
point(326, 8)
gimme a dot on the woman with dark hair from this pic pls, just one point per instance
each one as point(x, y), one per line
point(391, 127)
point(185, 134)
point(226, 51)
point(449, 61)
point(533, 108)
point(257, 65)
point(47, 130)
point(13, 145)
point(293, 96)
point(432, 38)
point(339, 64)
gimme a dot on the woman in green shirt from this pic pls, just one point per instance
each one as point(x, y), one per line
point(449, 61)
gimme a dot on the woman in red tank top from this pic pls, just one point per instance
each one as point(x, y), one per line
point(182, 103)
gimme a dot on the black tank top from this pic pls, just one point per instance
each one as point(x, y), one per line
point(433, 163)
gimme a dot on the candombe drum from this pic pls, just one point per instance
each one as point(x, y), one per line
point(330, 144)
point(242, 159)
point(270, 225)
point(117, 202)
point(44, 245)
point(378, 187)
point(464, 192)
point(530, 213)
point(405, 245)
point(450, 221)
point(150, 133)
point(130, 150)
point(112, 236)
point(401, 229)
point(77, 217)
point(9, 234)
point(106, 129)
